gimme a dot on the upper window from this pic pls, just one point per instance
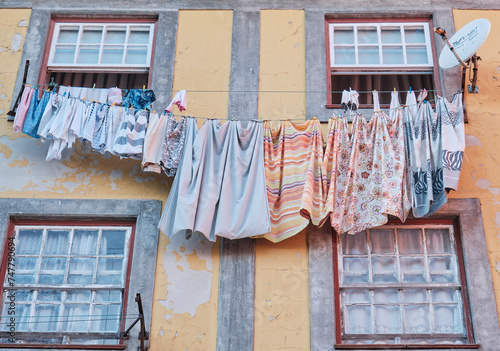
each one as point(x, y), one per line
point(104, 53)
point(401, 284)
point(66, 283)
point(379, 55)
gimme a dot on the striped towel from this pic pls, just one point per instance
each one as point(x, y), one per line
point(292, 157)
point(130, 137)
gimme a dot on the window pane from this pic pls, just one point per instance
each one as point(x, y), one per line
point(415, 35)
point(343, 36)
point(344, 55)
point(357, 296)
point(415, 295)
point(137, 55)
point(388, 320)
point(367, 35)
point(354, 244)
point(45, 318)
point(115, 36)
point(355, 270)
point(109, 271)
point(386, 295)
point(384, 270)
point(444, 295)
point(49, 295)
point(105, 318)
point(442, 269)
point(78, 296)
point(368, 55)
point(382, 241)
point(113, 242)
point(23, 312)
point(438, 240)
point(88, 55)
point(26, 270)
point(410, 241)
point(91, 36)
point(57, 242)
point(358, 320)
point(81, 270)
point(417, 319)
point(64, 54)
point(29, 242)
point(390, 35)
point(112, 54)
point(417, 55)
point(85, 242)
point(413, 269)
point(21, 295)
point(52, 270)
point(75, 318)
point(138, 37)
point(393, 55)
point(447, 319)
point(68, 35)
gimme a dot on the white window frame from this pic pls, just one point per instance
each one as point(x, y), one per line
point(100, 66)
point(356, 26)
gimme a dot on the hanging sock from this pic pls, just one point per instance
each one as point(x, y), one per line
point(220, 177)
point(376, 103)
point(394, 104)
point(293, 154)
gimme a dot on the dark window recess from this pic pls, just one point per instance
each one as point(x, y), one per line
point(101, 79)
point(383, 83)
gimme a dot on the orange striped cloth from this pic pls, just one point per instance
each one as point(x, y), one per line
point(293, 154)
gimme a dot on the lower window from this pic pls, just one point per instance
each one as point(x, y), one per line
point(67, 282)
point(402, 284)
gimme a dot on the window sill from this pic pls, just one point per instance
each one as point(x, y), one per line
point(64, 347)
point(404, 347)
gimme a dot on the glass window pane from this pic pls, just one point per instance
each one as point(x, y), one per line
point(84, 242)
point(57, 242)
point(108, 296)
point(447, 319)
point(91, 36)
point(390, 35)
point(382, 241)
point(442, 270)
point(115, 36)
point(112, 54)
point(384, 270)
point(29, 242)
point(367, 35)
point(415, 295)
point(386, 295)
point(417, 319)
point(21, 295)
point(64, 54)
point(415, 35)
point(343, 36)
point(105, 318)
point(45, 318)
point(355, 270)
point(23, 312)
point(138, 36)
point(358, 296)
point(368, 55)
point(444, 295)
point(109, 271)
point(416, 55)
point(88, 55)
point(81, 270)
point(75, 318)
point(113, 242)
point(26, 270)
point(344, 55)
point(358, 320)
point(49, 295)
point(438, 240)
point(78, 296)
point(354, 244)
point(68, 35)
point(410, 241)
point(388, 320)
point(52, 270)
point(136, 55)
point(413, 269)
point(392, 55)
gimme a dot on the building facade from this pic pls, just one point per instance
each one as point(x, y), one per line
point(243, 60)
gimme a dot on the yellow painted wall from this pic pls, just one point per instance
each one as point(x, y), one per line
point(202, 63)
point(480, 173)
point(281, 270)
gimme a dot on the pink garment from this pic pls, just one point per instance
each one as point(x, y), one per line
point(22, 108)
point(153, 143)
point(179, 100)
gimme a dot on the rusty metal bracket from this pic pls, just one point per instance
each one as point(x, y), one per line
point(143, 334)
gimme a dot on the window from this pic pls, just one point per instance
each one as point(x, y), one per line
point(69, 282)
point(380, 55)
point(101, 52)
point(401, 284)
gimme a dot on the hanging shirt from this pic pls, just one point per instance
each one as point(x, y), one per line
point(293, 154)
point(173, 145)
point(23, 107)
point(219, 189)
point(153, 143)
point(114, 120)
point(32, 121)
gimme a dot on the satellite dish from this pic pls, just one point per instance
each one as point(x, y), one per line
point(466, 42)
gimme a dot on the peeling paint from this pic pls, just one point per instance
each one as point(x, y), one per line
point(483, 183)
point(497, 219)
point(189, 287)
point(498, 266)
point(23, 23)
point(16, 42)
point(471, 140)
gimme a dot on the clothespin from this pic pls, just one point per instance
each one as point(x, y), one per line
point(410, 89)
point(143, 88)
point(395, 90)
point(154, 111)
point(114, 103)
point(93, 87)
